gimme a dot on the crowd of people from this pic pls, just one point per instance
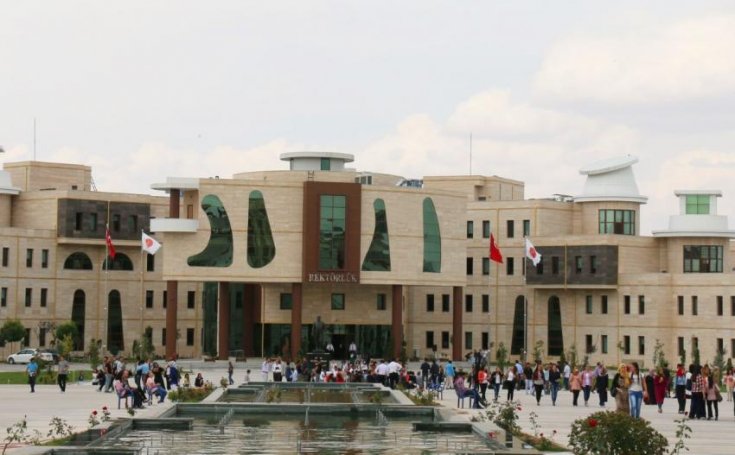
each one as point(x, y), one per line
point(150, 380)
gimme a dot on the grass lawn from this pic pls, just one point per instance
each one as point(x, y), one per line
point(20, 377)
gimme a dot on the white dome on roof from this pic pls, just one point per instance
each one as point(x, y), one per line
point(611, 179)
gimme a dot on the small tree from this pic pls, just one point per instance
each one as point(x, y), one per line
point(695, 355)
point(13, 330)
point(573, 355)
point(501, 356)
point(66, 328)
point(538, 351)
point(719, 361)
point(659, 358)
point(65, 345)
point(94, 354)
point(683, 357)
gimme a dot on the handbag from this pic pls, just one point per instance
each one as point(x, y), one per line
point(718, 395)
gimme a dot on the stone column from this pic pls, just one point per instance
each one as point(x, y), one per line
point(172, 302)
point(457, 323)
point(396, 327)
point(296, 316)
point(174, 203)
point(223, 349)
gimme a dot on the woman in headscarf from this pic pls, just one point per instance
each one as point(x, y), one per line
point(619, 389)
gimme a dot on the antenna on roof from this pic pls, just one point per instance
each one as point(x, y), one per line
point(34, 138)
point(470, 153)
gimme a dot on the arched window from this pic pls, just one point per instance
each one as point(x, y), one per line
point(432, 238)
point(377, 258)
point(78, 261)
point(115, 339)
point(121, 262)
point(555, 333)
point(78, 314)
point(518, 341)
point(219, 250)
point(261, 248)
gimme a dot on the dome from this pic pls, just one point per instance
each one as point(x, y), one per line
point(611, 179)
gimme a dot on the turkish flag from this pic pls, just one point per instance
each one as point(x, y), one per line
point(110, 246)
point(495, 254)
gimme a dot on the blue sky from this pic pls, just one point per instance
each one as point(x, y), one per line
point(144, 90)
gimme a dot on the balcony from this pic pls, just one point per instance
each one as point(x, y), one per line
point(183, 225)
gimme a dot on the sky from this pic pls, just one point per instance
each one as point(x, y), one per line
point(143, 90)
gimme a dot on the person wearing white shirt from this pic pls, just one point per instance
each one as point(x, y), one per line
point(567, 373)
point(394, 368)
point(382, 372)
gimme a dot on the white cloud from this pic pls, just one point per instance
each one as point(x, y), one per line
point(689, 59)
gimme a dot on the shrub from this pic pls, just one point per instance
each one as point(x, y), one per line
point(13, 330)
point(614, 433)
point(503, 415)
point(189, 394)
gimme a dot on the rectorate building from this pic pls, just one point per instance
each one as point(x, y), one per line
point(250, 264)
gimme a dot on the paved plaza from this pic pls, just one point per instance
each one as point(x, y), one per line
point(75, 405)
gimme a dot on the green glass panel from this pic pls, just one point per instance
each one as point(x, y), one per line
point(78, 315)
point(209, 331)
point(377, 258)
point(115, 338)
point(121, 262)
point(331, 232)
point(219, 250)
point(432, 238)
point(261, 247)
point(519, 328)
point(78, 261)
point(555, 333)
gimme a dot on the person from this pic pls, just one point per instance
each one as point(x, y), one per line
point(277, 370)
point(353, 350)
point(528, 378)
point(660, 388)
point(587, 378)
point(510, 383)
point(482, 380)
point(63, 373)
point(575, 385)
point(230, 370)
point(680, 382)
point(247, 376)
point(711, 394)
point(425, 368)
point(729, 383)
point(537, 377)
point(330, 348)
point(554, 376)
point(567, 373)
point(699, 386)
point(265, 369)
point(496, 379)
point(619, 389)
point(435, 373)
point(463, 391)
point(187, 381)
point(637, 391)
point(199, 380)
point(32, 371)
point(155, 389)
point(394, 369)
point(601, 383)
point(109, 374)
point(449, 374)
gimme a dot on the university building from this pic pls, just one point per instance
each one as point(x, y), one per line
point(249, 264)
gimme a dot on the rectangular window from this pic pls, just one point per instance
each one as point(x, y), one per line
point(44, 259)
point(641, 304)
point(42, 337)
point(163, 337)
point(93, 222)
point(680, 346)
point(641, 345)
point(626, 304)
point(588, 304)
point(470, 266)
point(78, 221)
point(468, 303)
point(526, 228)
point(470, 229)
point(720, 345)
point(485, 229)
point(286, 302)
point(149, 299)
point(486, 266)
point(720, 306)
point(165, 299)
point(555, 265)
point(617, 222)
point(429, 303)
point(190, 337)
point(338, 301)
point(588, 345)
point(509, 266)
point(3, 297)
point(593, 264)
point(485, 303)
point(485, 341)
point(578, 264)
point(380, 302)
point(697, 204)
point(510, 225)
point(325, 164)
point(133, 223)
point(44, 297)
point(6, 256)
point(539, 267)
point(732, 307)
point(695, 304)
point(732, 344)
point(29, 296)
point(29, 257)
point(429, 339)
point(445, 340)
point(468, 340)
point(702, 259)
point(116, 222)
point(603, 304)
point(191, 297)
point(680, 305)
point(332, 223)
point(27, 338)
point(445, 303)
point(603, 342)
point(695, 344)
point(626, 344)
point(150, 263)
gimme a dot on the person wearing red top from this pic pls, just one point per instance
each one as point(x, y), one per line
point(660, 386)
point(482, 380)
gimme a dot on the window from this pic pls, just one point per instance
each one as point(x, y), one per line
point(6, 256)
point(626, 344)
point(150, 263)
point(29, 295)
point(589, 347)
point(555, 265)
point(149, 299)
point(603, 304)
point(617, 222)
point(695, 310)
point(468, 303)
point(539, 267)
point(720, 306)
point(578, 264)
point(720, 346)
point(429, 303)
point(445, 340)
point(432, 238)
point(121, 262)
point(338, 301)
point(93, 222)
point(641, 304)
point(526, 228)
point(219, 249)
point(78, 221)
point(626, 304)
point(380, 302)
point(165, 299)
point(116, 218)
point(190, 337)
point(485, 343)
point(191, 297)
point(485, 229)
point(470, 229)
point(133, 223)
point(261, 247)
point(588, 304)
point(702, 259)
point(78, 312)
point(695, 344)
point(554, 331)
point(509, 266)
point(470, 266)
point(697, 204)
point(603, 343)
point(429, 339)
point(485, 303)
point(641, 345)
point(518, 337)
point(680, 346)
point(445, 303)
point(27, 338)
point(44, 259)
point(593, 264)
point(510, 226)
point(732, 308)
point(332, 223)
point(680, 305)
point(486, 266)
point(3, 297)
point(44, 297)
point(29, 257)
point(377, 258)
point(42, 336)
point(78, 261)
point(163, 337)
point(468, 340)
point(286, 302)
point(325, 164)
point(732, 344)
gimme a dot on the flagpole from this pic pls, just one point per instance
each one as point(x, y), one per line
point(142, 255)
point(105, 297)
point(525, 304)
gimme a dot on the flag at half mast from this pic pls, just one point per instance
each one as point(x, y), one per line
point(531, 253)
